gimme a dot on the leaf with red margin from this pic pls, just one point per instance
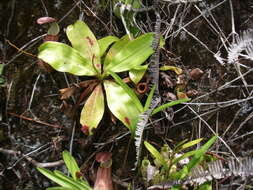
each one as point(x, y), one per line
point(84, 41)
point(93, 110)
point(121, 105)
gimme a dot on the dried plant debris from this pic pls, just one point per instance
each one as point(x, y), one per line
point(243, 167)
point(242, 47)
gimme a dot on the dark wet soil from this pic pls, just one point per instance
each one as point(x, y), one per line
point(32, 119)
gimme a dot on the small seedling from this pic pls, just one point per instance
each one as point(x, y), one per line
point(171, 164)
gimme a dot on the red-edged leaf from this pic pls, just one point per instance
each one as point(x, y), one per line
point(121, 105)
point(83, 40)
point(93, 110)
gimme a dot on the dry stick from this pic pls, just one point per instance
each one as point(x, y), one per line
point(210, 128)
point(33, 90)
point(11, 17)
point(69, 12)
point(31, 160)
point(219, 32)
point(100, 20)
point(20, 50)
point(196, 18)
point(241, 125)
point(35, 40)
point(203, 114)
point(36, 121)
point(28, 154)
point(44, 7)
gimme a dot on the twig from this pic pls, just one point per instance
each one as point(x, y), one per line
point(44, 7)
point(31, 160)
point(20, 50)
point(34, 87)
point(36, 121)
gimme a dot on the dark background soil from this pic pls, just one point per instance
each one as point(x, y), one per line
point(30, 94)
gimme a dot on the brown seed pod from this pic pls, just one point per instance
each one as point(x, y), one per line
point(45, 20)
point(196, 74)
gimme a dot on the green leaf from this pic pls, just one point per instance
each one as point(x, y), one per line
point(155, 153)
point(77, 184)
point(128, 90)
point(64, 58)
point(177, 70)
point(121, 105)
point(57, 179)
point(93, 109)
point(178, 145)
point(205, 186)
point(54, 29)
point(136, 74)
point(1, 82)
point(185, 155)
point(176, 187)
point(58, 188)
point(132, 54)
point(1, 68)
point(189, 144)
point(116, 47)
point(149, 99)
point(105, 42)
point(169, 104)
point(71, 164)
point(84, 41)
point(197, 158)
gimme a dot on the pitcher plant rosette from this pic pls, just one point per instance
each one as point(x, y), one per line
point(91, 57)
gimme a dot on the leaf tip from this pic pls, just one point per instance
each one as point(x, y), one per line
point(85, 129)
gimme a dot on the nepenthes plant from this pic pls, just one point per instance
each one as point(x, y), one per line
point(91, 57)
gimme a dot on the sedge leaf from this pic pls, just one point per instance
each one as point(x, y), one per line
point(58, 188)
point(156, 154)
point(189, 144)
point(77, 184)
point(185, 155)
point(149, 99)
point(57, 179)
point(197, 158)
point(169, 104)
point(71, 164)
point(177, 70)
